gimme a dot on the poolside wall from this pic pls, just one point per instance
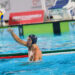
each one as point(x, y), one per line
point(53, 28)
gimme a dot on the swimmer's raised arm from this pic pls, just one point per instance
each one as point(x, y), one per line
point(16, 38)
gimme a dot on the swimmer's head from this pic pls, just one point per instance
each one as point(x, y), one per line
point(32, 39)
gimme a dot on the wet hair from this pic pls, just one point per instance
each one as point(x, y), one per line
point(33, 38)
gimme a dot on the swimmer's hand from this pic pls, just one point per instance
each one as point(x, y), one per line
point(10, 30)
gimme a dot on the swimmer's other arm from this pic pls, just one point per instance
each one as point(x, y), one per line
point(16, 38)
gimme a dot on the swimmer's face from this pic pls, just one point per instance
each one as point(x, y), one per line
point(29, 41)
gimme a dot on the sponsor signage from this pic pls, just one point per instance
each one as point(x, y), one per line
point(26, 17)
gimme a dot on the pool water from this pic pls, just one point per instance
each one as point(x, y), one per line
point(63, 64)
point(45, 42)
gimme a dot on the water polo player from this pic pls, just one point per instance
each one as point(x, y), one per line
point(34, 53)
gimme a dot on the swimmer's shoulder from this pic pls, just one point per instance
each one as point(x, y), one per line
point(35, 46)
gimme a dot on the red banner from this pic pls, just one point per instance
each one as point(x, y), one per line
point(26, 17)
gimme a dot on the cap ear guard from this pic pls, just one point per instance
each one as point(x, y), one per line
point(34, 38)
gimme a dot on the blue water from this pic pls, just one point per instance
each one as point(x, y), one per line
point(50, 65)
point(45, 42)
point(63, 64)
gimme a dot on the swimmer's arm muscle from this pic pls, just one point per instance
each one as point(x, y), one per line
point(17, 39)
